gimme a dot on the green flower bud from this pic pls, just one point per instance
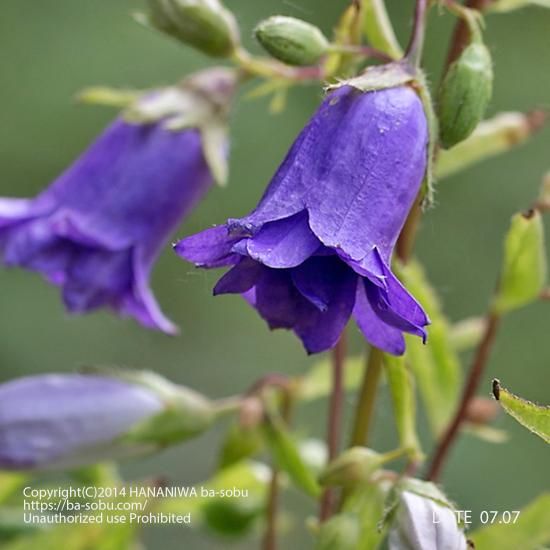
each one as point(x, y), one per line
point(341, 532)
point(355, 465)
point(204, 24)
point(291, 40)
point(464, 94)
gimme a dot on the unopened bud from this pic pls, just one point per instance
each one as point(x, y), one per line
point(421, 523)
point(204, 24)
point(464, 94)
point(341, 532)
point(481, 410)
point(292, 40)
point(59, 421)
point(355, 465)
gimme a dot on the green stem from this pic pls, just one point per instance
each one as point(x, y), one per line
point(416, 43)
point(367, 398)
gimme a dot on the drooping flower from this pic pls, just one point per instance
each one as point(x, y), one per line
point(317, 248)
point(96, 231)
point(58, 421)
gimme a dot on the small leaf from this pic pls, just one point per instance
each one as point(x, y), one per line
point(287, 456)
point(436, 365)
point(535, 418)
point(524, 269)
point(404, 403)
point(528, 529)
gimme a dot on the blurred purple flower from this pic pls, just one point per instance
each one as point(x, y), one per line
point(67, 420)
point(96, 231)
point(317, 249)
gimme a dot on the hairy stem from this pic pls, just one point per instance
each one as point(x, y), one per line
point(472, 383)
point(461, 33)
point(416, 43)
point(334, 420)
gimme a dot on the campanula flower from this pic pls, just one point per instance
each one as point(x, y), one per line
point(58, 421)
point(97, 230)
point(317, 249)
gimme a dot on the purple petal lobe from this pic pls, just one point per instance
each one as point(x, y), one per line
point(376, 331)
point(239, 278)
point(209, 248)
point(284, 243)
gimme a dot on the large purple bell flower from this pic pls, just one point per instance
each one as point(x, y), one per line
point(317, 249)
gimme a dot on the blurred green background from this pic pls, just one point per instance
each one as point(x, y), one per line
point(53, 48)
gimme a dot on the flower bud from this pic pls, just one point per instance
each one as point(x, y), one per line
point(421, 523)
point(464, 94)
point(291, 40)
point(481, 410)
point(59, 421)
point(355, 465)
point(341, 532)
point(204, 24)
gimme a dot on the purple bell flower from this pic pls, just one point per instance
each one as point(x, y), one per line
point(317, 248)
point(97, 230)
point(58, 420)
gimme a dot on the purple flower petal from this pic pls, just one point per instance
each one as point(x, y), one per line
point(239, 278)
point(210, 248)
point(376, 331)
point(284, 243)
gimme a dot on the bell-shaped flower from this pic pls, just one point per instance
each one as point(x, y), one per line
point(97, 229)
point(59, 421)
point(317, 249)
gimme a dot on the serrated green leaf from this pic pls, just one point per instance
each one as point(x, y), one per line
point(523, 272)
point(317, 382)
point(530, 530)
point(436, 365)
point(404, 403)
point(287, 457)
point(536, 418)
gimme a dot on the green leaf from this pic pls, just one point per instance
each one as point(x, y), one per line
point(404, 403)
point(287, 456)
point(436, 365)
point(10, 484)
point(529, 531)
point(535, 418)
point(317, 382)
point(524, 269)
